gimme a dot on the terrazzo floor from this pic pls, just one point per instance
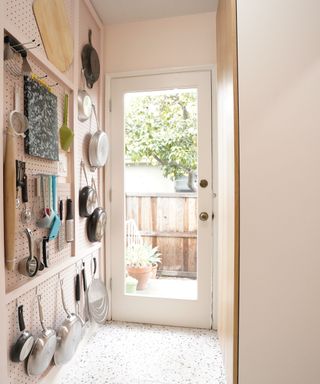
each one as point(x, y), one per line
point(123, 353)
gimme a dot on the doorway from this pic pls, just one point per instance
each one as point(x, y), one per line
point(161, 217)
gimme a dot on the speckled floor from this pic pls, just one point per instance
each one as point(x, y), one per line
point(123, 353)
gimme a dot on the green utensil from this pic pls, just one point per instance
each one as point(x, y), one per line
point(66, 134)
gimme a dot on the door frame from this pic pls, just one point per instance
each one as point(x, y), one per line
point(214, 148)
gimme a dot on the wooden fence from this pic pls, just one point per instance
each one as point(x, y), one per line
point(168, 221)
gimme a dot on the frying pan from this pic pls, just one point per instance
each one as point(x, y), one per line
point(43, 348)
point(22, 347)
point(90, 62)
point(87, 197)
point(98, 146)
point(97, 298)
point(96, 223)
point(29, 265)
point(69, 334)
point(84, 103)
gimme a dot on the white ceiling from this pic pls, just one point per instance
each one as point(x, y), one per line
point(122, 11)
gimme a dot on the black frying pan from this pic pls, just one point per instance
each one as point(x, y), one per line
point(96, 224)
point(87, 197)
point(90, 62)
point(22, 347)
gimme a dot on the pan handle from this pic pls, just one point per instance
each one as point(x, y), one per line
point(89, 36)
point(30, 242)
point(41, 313)
point(83, 271)
point(96, 117)
point(77, 288)
point(63, 300)
point(22, 326)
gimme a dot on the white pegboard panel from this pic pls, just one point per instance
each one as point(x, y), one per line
point(34, 166)
point(20, 14)
point(53, 312)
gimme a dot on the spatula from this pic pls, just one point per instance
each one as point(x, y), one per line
point(66, 134)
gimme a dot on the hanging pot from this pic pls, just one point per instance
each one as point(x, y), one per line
point(98, 146)
point(90, 62)
point(87, 197)
point(84, 102)
point(96, 223)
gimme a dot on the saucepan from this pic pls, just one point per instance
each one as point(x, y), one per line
point(43, 348)
point(98, 145)
point(69, 334)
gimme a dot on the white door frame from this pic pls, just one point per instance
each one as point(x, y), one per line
point(107, 171)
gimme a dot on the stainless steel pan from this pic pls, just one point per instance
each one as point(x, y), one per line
point(97, 298)
point(98, 146)
point(69, 334)
point(43, 348)
point(84, 102)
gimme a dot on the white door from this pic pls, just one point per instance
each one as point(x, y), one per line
point(150, 146)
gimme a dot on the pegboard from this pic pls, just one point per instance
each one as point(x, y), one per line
point(34, 166)
point(53, 312)
point(20, 14)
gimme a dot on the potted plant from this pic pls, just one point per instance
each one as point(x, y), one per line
point(139, 261)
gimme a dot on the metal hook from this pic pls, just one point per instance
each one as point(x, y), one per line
point(27, 49)
point(28, 42)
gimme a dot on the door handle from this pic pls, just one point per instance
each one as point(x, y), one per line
point(203, 216)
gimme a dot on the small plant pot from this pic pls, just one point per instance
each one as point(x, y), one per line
point(142, 274)
point(131, 284)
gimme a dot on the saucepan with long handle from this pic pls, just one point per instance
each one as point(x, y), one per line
point(69, 334)
point(43, 348)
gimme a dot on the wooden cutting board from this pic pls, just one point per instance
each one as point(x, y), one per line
point(54, 28)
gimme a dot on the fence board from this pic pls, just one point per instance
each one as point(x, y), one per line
point(168, 221)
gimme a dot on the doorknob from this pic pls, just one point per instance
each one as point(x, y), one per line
point(203, 216)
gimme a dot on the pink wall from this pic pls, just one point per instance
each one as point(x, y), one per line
point(279, 83)
point(161, 43)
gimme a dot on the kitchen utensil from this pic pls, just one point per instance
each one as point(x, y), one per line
point(28, 266)
point(66, 134)
point(61, 227)
point(87, 197)
point(68, 336)
point(84, 102)
point(98, 298)
point(47, 215)
point(56, 223)
point(78, 297)
point(53, 24)
point(26, 70)
point(90, 62)
point(84, 283)
point(43, 348)
point(96, 222)
point(98, 146)
point(69, 222)
point(18, 120)
point(45, 251)
point(41, 110)
point(23, 345)
point(22, 182)
point(17, 123)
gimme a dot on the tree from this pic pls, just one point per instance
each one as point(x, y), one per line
point(161, 129)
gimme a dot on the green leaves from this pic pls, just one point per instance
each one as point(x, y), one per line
point(161, 129)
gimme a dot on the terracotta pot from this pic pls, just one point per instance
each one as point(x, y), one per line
point(142, 274)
